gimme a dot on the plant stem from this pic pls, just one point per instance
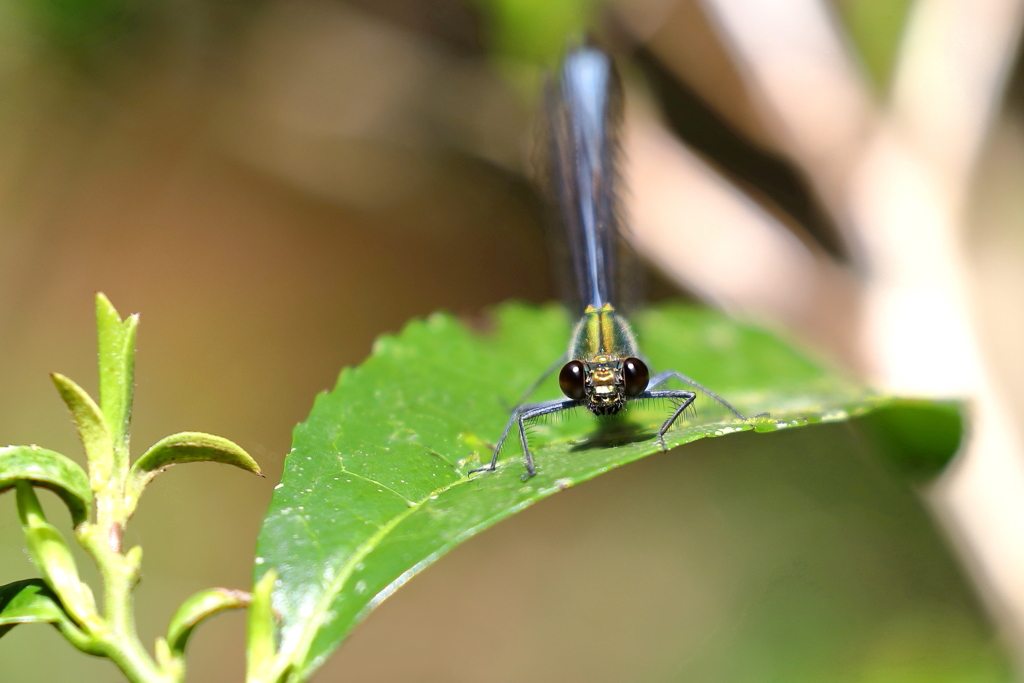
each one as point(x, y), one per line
point(126, 650)
point(119, 640)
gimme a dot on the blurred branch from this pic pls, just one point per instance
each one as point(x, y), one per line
point(711, 236)
point(896, 178)
point(949, 82)
point(811, 94)
point(908, 200)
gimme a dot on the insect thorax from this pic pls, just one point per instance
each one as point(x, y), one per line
point(601, 340)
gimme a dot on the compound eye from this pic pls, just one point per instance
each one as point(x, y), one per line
point(635, 376)
point(573, 380)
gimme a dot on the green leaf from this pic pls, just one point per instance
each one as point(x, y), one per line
point(50, 470)
point(186, 447)
point(52, 556)
point(918, 436)
point(31, 600)
point(28, 601)
point(92, 429)
point(199, 606)
point(116, 339)
point(260, 650)
point(375, 487)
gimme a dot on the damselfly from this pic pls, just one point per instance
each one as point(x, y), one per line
point(604, 371)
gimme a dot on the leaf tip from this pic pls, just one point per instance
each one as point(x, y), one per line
point(104, 307)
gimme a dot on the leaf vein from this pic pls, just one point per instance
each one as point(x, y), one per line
point(377, 483)
point(312, 625)
point(444, 460)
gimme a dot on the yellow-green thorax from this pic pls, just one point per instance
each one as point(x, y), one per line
point(601, 340)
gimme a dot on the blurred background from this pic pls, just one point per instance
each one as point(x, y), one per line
point(274, 184)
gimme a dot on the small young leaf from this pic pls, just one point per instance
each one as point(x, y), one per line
point(260, 651)
point(186, 447)
point(376, 486)
point(203, 604)
point(92, 429)
point(117, 371)
point(193, 447)
point(166, 660)
point(50, 470)
point(28, 601)
point(51, 554)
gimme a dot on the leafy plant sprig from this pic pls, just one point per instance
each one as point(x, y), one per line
point(101, 503)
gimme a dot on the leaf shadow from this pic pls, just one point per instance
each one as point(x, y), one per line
point(611, 432)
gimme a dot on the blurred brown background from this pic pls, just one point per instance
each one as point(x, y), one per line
point(275, 184)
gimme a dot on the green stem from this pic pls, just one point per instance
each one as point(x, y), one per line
point(126, 650)
point(119, 640)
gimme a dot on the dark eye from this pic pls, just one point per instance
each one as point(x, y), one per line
point(634, 375)
point(573, 380)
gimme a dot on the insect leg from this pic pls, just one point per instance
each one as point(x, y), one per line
point(663, 377)
point(504, 435)
point(520, 412)
point(687, 398)
point(545, 408)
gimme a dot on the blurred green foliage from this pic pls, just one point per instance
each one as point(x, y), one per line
point(535, 31)
point(876, 28)
point(86, 30)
